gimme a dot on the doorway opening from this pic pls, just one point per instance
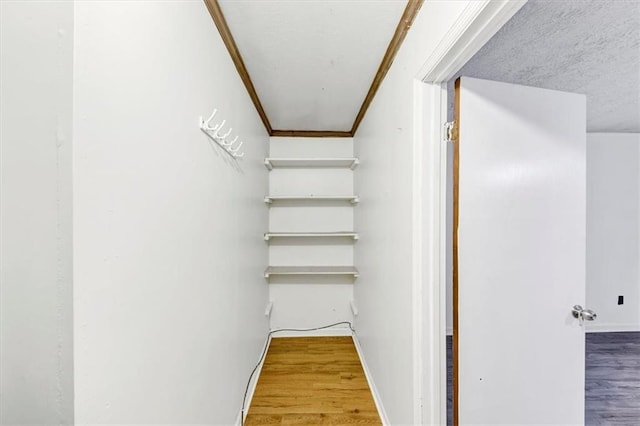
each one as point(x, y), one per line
point(570, 58)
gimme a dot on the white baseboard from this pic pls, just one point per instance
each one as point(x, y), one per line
point(449, 331)
point(338, 331)
point(328, 332)
point(372, 385)
point(252, 385)
point(611, 328)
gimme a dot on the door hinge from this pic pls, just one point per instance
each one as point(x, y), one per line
point(448, 131)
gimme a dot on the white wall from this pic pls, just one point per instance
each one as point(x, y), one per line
point(36, 339)
point(384, 144)
point(612, 230)
point(169, 255)
point(310, 302)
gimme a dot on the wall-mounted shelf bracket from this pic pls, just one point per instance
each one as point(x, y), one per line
point(354, 308)
point(268, 309)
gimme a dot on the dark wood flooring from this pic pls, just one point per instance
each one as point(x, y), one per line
point(612, 383)
point(449, 380)
point(613, 379)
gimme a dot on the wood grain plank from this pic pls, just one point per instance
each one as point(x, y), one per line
point(312, 380)
point(312, 133)
point(612, 382)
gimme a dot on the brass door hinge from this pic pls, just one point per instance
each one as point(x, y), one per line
point(450, 131)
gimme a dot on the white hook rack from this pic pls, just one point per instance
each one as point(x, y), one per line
point(215, 134)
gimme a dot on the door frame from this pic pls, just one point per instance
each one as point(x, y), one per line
point(479, 21)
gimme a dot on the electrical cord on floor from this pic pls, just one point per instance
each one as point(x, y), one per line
point(264, 353)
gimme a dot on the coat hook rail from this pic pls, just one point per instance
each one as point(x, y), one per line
point(219, 136)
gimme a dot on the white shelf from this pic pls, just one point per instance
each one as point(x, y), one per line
point(270, 235)
point(311, 270)
point(351, 163)
point(354, 199)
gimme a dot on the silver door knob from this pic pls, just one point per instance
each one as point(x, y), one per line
point(588, 315)
point(583, 314)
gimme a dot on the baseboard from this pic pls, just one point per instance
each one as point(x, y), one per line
point(374, 391)
point(338, 331)
point(449, 331)
point(254, 382)
point(611, 328)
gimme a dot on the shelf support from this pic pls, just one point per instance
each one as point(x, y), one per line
point(268, 309)
point(354, 308)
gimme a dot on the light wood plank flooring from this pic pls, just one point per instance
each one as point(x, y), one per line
point(312, 380)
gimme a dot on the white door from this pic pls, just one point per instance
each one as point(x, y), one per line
point(520, 254)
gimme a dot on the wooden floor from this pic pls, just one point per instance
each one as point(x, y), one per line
point(613, 379)
point(312, 380)
point(612, 382)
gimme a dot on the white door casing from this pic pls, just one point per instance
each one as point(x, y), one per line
point(521, 245)
point(479, 21)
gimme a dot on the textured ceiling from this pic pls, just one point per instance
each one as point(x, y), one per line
point(589, 47)
point(312, 61)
